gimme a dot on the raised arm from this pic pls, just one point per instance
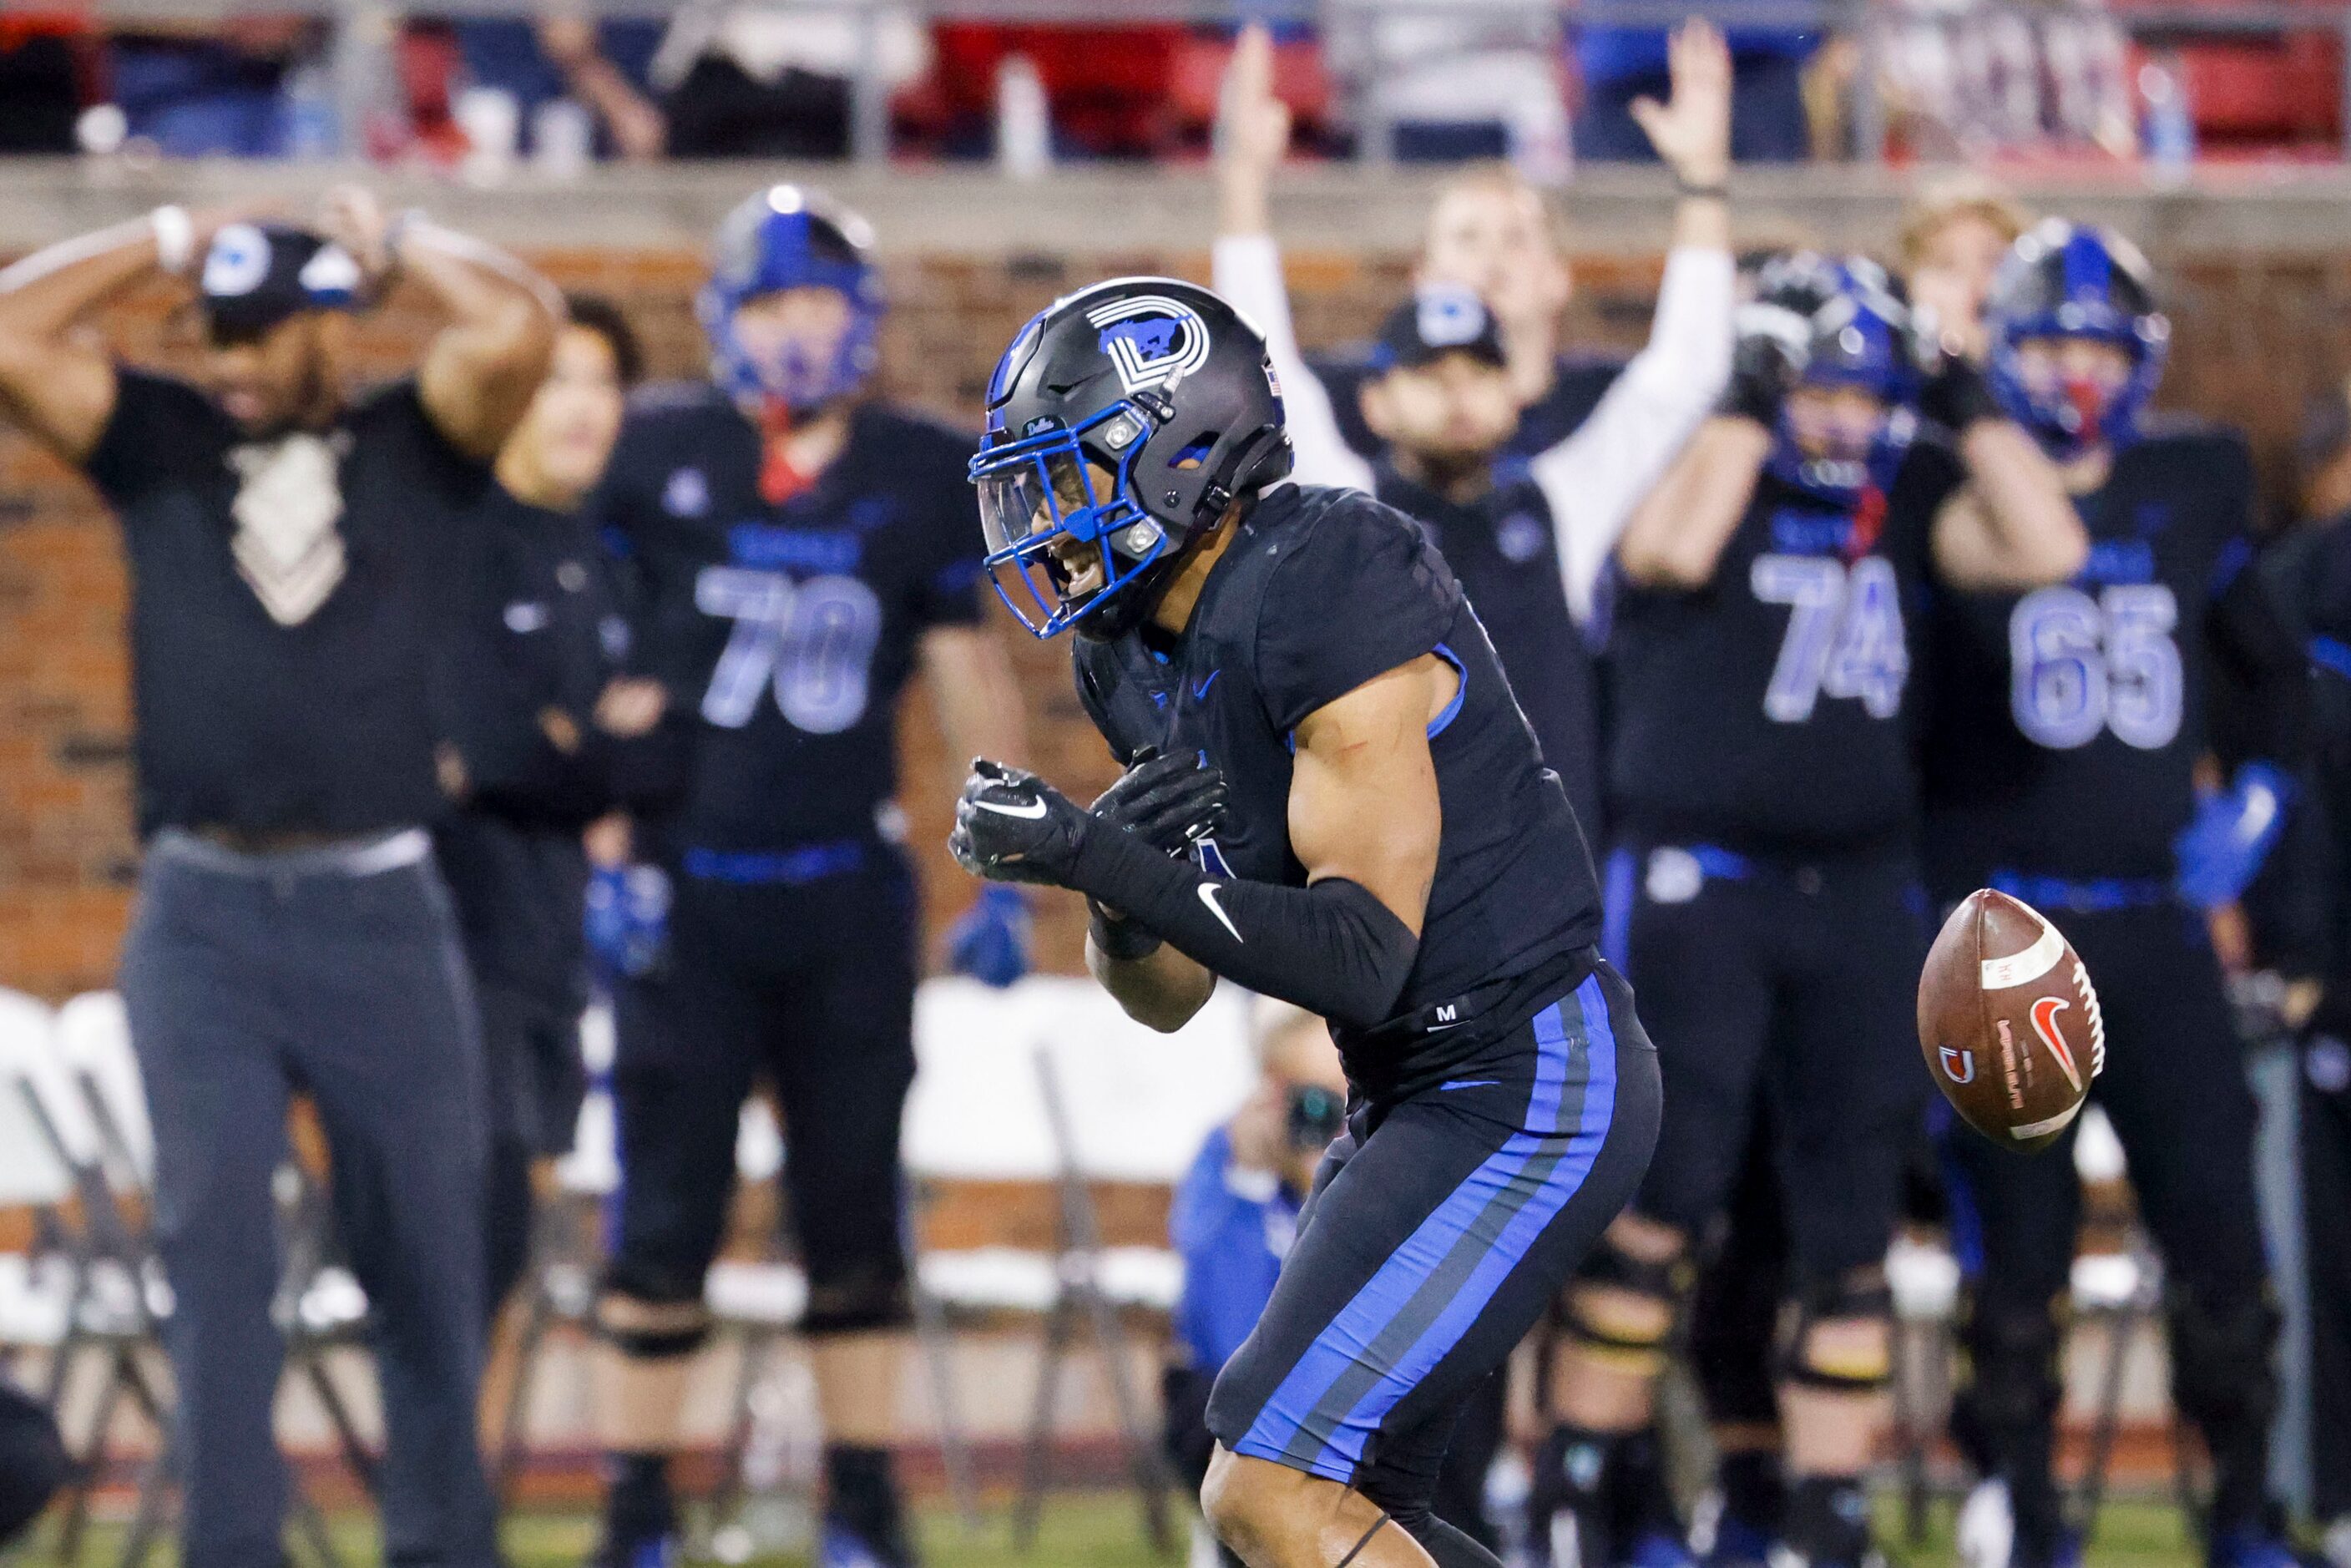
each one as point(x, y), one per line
point(2012, 524)
point(1253, 134)
point(480, 371)
point(55, 384)
point(1676, 534)
point(1596, 476)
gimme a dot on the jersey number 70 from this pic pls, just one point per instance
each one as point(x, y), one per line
point(810, 642)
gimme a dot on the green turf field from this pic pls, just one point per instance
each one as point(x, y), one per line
point(1103, 1531)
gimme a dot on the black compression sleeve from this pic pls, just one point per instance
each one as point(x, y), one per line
point(1332, 948)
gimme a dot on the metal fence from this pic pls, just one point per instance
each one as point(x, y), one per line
point(363, 32)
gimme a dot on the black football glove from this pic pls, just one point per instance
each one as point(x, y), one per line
point(1955, 394)
point(1012, 826)
point(1765, 364)
point(1170, 801)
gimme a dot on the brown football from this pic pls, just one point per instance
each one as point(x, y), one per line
point(2008, 1022)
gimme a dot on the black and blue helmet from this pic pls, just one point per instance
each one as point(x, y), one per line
point(789, 237)
point(2072, 280)
point(1126, 418)
point(1839, 322)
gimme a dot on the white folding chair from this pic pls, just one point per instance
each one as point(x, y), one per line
point(1050, 1083)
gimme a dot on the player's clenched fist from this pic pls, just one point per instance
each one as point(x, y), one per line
point(1012, 826)
point(1171, 802)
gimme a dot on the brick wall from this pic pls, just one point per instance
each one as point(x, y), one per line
point(2255, 336)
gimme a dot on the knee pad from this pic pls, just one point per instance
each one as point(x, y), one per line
point(1859, 1295)
point(651, 1314)
point(859, 1298)
point(1637, 1337)
point(2222, 1362)
point(2013, 1350)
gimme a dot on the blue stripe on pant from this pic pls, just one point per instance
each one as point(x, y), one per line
point(1432, 1289)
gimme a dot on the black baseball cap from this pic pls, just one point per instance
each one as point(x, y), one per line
point(256, 275)
point(1440, 318)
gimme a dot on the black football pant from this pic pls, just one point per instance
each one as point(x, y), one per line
point(1441, 1226)
point(811, 985)
point(1787, 986)
point(2175, 1089)
point(334, 973)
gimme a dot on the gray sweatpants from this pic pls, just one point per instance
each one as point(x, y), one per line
point(337, 974)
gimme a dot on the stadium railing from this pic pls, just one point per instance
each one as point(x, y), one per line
point(362, 33)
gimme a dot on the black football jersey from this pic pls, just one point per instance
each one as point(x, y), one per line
point(788, 630)
point(2068, 721)
point(1503, 549)
point(1770, 710)
point(1324, 589)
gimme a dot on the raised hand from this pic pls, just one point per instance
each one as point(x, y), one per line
point(1691, 131)
point(1252, 134)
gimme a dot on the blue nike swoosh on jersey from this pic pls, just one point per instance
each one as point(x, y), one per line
point(1200, 691)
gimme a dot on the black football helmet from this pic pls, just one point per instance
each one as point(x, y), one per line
point(1125, 419)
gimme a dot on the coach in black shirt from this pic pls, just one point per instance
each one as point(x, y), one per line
point(291, 930)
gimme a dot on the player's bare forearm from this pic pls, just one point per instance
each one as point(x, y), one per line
point(1676, 534)
point(482, 369)
point(975, 695)
point(2012, 525)
point(1162, 990)
point(58, 388)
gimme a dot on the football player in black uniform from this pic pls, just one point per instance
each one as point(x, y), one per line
point(1765, 783)
point(1395, 858)
point(2068, 726)
point(798, 549)
point(545, 734)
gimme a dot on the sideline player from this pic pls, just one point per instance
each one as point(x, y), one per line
point(545, 736)
point(799, 547)
point(1310, 645)
point(1526, 535)
point(2067, 729)
point(1763, 777)
point(292, 933)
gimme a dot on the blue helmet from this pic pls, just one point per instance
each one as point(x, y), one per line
point(1123, 424)
point(786, 237)
point(1839, 323)
point(2069, 280)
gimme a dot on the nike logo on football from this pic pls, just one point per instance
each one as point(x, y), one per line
point(1032, 811)
point(1208, 898)
point(2045, 1024)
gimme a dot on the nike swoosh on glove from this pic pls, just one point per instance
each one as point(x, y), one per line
point(1169, 801)
point(1012, 826)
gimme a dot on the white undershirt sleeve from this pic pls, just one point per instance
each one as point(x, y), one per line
point(1248, 273)
point(1596, 476)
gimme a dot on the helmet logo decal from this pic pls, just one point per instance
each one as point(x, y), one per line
point(1151, 340)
